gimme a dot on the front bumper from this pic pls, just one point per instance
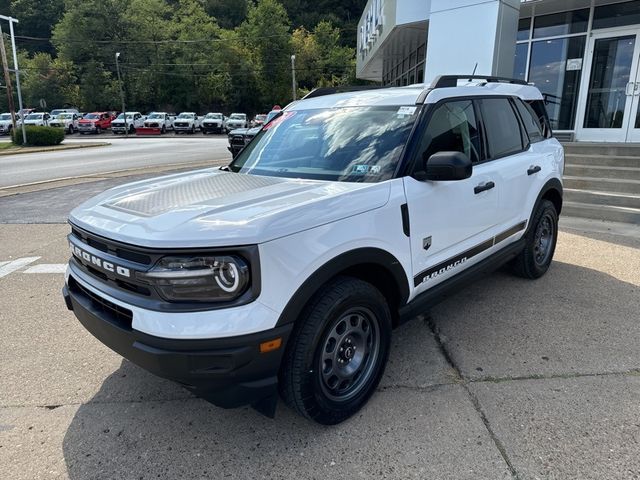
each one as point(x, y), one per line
point(211, 127)
point(229, 372)
point(82, 128)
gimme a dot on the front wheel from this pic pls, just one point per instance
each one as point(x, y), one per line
point(541, 238)
point(337, 352)
point(98, 130)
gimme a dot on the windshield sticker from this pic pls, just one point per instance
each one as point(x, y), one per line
point(366, 169)
point(407, 111)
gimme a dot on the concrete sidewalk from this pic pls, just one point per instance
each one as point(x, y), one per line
point(508, 379)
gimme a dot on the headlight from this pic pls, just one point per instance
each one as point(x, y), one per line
point(199, 278)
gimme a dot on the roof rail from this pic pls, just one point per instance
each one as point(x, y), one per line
point(322, 91)
point(445, 81)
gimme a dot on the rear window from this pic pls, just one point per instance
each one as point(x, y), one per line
point(531, 121)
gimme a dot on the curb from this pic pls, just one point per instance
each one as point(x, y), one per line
point(51, 149)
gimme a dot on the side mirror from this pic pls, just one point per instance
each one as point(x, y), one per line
point(447, 166)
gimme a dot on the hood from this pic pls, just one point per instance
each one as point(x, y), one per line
point(239, 131)
point(211, 208)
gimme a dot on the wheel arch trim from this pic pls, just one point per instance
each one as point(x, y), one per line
point(340, 264)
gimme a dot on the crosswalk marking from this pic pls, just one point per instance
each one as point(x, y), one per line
point(15, 265)
point(47, 268)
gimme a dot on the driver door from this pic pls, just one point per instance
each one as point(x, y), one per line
point(452, 222)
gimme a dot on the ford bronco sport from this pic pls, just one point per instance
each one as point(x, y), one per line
point(347, 214)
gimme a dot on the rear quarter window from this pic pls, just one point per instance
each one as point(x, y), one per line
point(530, 121)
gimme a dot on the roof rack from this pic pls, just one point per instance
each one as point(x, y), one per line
point(447, 81)
point(322, 91)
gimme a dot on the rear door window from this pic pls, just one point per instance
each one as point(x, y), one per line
point(530, 121)
point(502, 127)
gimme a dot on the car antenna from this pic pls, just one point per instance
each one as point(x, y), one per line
point(474, 72)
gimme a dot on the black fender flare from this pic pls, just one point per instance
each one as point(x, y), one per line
point(342, 263)
point(552, 185)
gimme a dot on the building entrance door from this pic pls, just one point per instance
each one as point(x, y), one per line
point(611, 92)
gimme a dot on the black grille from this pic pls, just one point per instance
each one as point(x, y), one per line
point(115, 313)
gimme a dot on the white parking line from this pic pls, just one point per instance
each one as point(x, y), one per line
point(47, 268)
point(15, 265)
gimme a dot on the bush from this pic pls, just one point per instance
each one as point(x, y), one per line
point(38, 136)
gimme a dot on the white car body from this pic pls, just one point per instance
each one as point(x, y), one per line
point(160, 120)
point(236, 120)
point(134, 120)
point(6, 123)
point(37, 119)
point(66, 120)
point(419, 234)
point(186, 122)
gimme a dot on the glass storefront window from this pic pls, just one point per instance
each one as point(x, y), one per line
point(558, 79)
point(520, 65)
point(524, 27)
point(617, 15)
point(563, 23)
point(420, 73)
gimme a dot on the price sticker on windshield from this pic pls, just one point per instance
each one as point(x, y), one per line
point(402, 111)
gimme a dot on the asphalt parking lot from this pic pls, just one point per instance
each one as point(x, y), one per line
point(507, 379)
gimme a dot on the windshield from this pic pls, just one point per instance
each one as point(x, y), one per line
point(216, 116)
point(120, 117)
point(260, 118)
point(56, 112)
point(348, 144)
point(5, 116)
point(34, 116)
point(92, 116)
point(65, 116)
point(186, 115)
point(237, 116)
point(156, 115)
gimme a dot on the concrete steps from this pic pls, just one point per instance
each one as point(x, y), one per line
point(602, 182)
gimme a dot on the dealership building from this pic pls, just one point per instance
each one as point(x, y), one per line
point(584, 55)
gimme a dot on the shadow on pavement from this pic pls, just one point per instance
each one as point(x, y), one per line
point(574, 319)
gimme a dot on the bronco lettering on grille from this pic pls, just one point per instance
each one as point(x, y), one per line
point(99, 262)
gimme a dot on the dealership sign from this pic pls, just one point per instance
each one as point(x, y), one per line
point(371, 27)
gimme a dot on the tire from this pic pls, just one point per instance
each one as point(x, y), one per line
point(163, 130)
point(193, 130)
point(98, 130)
point(541, 239)
point(132, 129)
point(337, 352)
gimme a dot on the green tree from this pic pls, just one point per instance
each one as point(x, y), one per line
point(266, 38)
point(53, 80)
point(37, 18)
point(228, 13)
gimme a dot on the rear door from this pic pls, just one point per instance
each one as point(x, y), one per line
point(452, 223)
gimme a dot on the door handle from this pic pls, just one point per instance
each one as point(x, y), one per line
point(484, 187)
point(534, 169)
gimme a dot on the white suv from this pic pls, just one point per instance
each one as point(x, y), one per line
point(346, 215)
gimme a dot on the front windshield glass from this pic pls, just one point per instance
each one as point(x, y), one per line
point(65, 116)
point(120, 117)
point(5, 116)
point(92, 116)
point(347, 144)
point(155, 115)
point(260, 118)
point(216, 116)
point(34, 116)
point(186, 115)
point(237, 116)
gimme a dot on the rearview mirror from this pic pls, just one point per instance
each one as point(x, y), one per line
point(447, 166)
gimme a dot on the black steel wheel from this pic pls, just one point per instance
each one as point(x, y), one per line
point(541, 238)
point(337, 352)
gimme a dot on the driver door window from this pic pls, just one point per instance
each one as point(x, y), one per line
point(453, 127)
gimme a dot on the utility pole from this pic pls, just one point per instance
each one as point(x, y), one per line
point(7, 79)
point(124, 113)
point(293, 76)
point(11, 21)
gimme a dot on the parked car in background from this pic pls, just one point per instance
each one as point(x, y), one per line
point(39, 119)
point(134, 120)
point(259, 120)
point(6, 124)
point(161, 120)
point(236, 120)
point(240, 137)
point(95, 122)
point(186, 122)
point(212, 123)
point(68, 121)
point(57, 111)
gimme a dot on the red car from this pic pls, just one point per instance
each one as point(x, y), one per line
point(95, 122)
